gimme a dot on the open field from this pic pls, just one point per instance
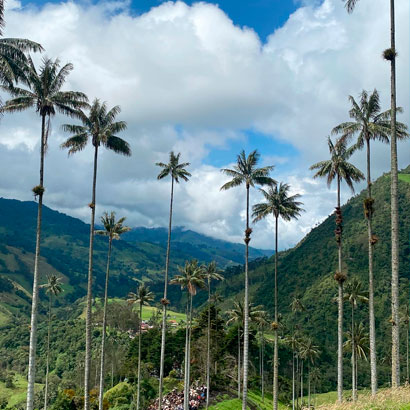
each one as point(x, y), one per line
point(17, 394)
point(404, 177)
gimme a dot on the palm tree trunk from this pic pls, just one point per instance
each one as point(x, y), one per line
point(308, 385)
point(275, 348)
point(262, 373)
point(101, 393)
point(87, 364)
point(293, 380)
point(165, 302)
point(301, 382)
point(372, 327)
point(189, 346)
point(239, 361)
point(48, 352)
point(354, 381)
point(407, 346)
point(139, 358)
point(208, 352)
point(394, 215)
point(246, 308)
point(34, 303)
point(340, 312)
point(297, 381)
point(186, 391)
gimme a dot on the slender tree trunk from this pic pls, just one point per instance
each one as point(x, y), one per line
point(246, 308)
point(354, 381)
point(34, 303)
point(293, 380)
point(301, 382)
point(297, 381)
point(394, 215)
point(308, 385)
point(239, 361)
point(208, 351)
point(340, 311)
point(186, 389)
point(139, 358)
point(101, 392)
point(165, 302)
point(88, 324)
point(263, 371)
point(407, 347)
point(112, 374)
point(372, 327)
point(48, 353)
point(275, 348)
point(189, 346)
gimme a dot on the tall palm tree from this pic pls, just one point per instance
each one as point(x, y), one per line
point(281, 205)
point(354, 294)
point(369, 124)
point(113, 229)
point(211, 272)
point(262, 323)
point(177, 171)
point(191, 278)
point(309, 352)
point(100, 127)
point(53, 288)
point(142, 297)
point(245, 172)
point(45, 95)
point(390, 55)
point(405, 319)
point(293, 342)
point(338, 167)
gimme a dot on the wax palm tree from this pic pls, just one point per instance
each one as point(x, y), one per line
point(113, 229)
point(46, 97)
point(340, 169)
point(354, 295)
point(191, 278)
point(309, 352)
point(281, 205)
point(390, 55)
point(405, 320)
point(100, 127)
point(369, 123)
point(293, 342)
point(211, 272)
point(262, 321)
point(142, 297)
point(245, 172)
point(53, 288)
point(177, 171)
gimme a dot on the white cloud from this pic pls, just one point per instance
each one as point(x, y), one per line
point(188, 79)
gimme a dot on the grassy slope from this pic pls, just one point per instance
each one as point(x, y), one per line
point(17, 394)
point(404, 177)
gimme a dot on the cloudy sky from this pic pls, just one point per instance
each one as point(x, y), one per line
point(206, 80)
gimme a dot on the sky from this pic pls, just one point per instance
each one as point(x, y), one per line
point(207, 80)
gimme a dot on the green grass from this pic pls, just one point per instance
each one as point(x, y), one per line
point(17, 394)
point(404, 177)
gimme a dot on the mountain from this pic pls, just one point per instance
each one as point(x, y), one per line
point(64, 251)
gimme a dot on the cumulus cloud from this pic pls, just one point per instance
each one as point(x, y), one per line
point(188, 79)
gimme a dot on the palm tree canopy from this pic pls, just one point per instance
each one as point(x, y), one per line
point(100, 127)
point(297, 305)
point(337, 165)
point(53, 285)
point(350, 5)
point(361, 341)
point(211, 272)
point(143, 296)
point(174, 168)
point(308, 351)
point(368, 122)
point(245, 171)
point(354, 292)
point(44, 91)
point(237, 313)
point(278, 202)
point(112, 228)
point(191, 277)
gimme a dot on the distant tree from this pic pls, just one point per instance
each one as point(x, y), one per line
point(340, 169)
point(309, 352)
point(53, 288)
point(369, 124)
point(245, 172)
point(45, 95)
point(281, 205)
point(354, 294)
point(405, 319)
point(142, 297)
point(113, 229)
point(191, 278)
point(100, 127)
point(177, 171)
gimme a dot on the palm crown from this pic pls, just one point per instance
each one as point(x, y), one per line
point(338, 166)
point(279, 203)
point(45, 91)
point(369, 123)
point(245, 171)
point(99, 126)
point(354, 293)
point(142, 297)
point(174, 168)
point(112, 228)
point(211, 272)
point(191, 277)
point(53, 285)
